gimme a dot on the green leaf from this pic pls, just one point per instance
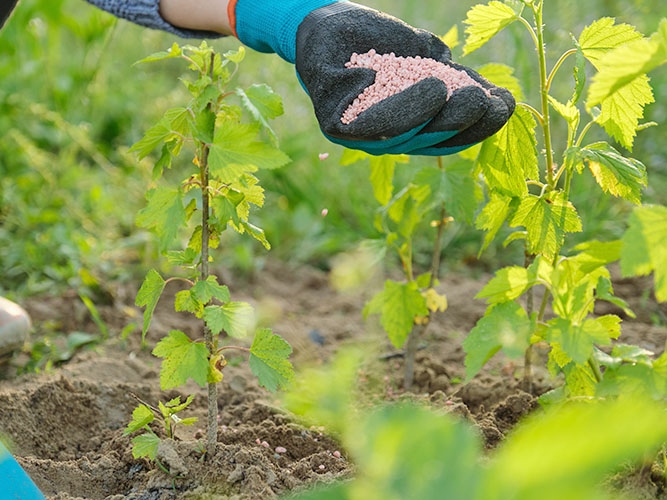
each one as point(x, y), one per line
point(268, 360)
point(594, 254)
point(627, 62)
point(621, 111)
point(236, 56)
point(493, 216)
point(484, 22)
point(148, 296)
point(183, 359)
point(172, 52)
point(603, 35)
point(577, 340)
point(510, 157)
point(142, 415)
point(398, 305)
point(145, 446)
point(504, 326)
point(546, 219)
point(236, 150)
point(164, 214)
point(263, 104)
point(555, 455)
point(508, 284)
point(453, 185)
point(645, 246)
point(503, 76)
point(568, 111)
point(204, 291)
point(382, 177)
point(617, 175)
point(235, 318)
point(185, 301)
point(257, 233)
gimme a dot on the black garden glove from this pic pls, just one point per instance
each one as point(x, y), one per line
point(422, 119)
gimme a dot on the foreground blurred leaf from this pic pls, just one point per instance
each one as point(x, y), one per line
point(645, 246)
point(398, 305)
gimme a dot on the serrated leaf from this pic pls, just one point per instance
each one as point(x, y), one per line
point(183, 359)
point(268, 360)
point(614, 173)
point(398, 305)
point(577, 340)
point(502, 75)
point(509, 283)
point(235, 318)
point(204, 291)
point(185, 301)
point(484, 22)
point(645, 246)
point(174, 51)
point(510, 157)
point(451, 38)
point(148, 297)
point(142, 415)
point(236, 56)
point(546, 219)
point(164, 214)
point(504, 326)
point(568, 111)
point(620, 112)
point(455, 186)
point(493, 216)
point(145, 446)
point(603, 35)
point(626, 63)
point(382, 177)
point(263, 104)
point(236, 150)
point(257, 233)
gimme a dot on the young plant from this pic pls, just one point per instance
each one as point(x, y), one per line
point(438, 194)
point(146, 445)
point(218, 193)
point(534, 197)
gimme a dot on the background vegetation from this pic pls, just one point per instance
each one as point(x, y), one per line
point(72, 103)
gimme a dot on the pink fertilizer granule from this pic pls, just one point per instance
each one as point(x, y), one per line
point(394, 74)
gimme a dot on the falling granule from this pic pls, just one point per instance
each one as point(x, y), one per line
point(323, 156)
point(281, 449)
point(394, 74)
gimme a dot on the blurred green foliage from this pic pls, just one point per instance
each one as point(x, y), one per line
point(71, 104)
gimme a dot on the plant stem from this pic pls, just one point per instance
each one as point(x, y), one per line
point(212, 424)
point(413, 338)
point(544, 92)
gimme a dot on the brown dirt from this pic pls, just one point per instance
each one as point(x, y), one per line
point(66, 425)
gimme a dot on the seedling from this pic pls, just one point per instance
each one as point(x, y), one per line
point(221, 189)
point(146, 445)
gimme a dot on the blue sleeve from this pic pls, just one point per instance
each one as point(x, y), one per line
point(146, 13)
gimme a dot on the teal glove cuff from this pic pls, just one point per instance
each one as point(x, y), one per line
point(14, 480)
point(270, 26)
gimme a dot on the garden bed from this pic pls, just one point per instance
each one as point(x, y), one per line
point(66, 426)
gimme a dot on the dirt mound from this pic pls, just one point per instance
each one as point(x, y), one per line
point(66, 427)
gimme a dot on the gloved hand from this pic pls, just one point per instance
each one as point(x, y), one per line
point(321, 36)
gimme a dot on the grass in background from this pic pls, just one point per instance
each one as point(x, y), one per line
point(72, 103)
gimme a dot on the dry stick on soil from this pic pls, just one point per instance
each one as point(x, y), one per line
point(394, 74)
point(413, 338)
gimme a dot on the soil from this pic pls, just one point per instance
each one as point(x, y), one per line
point(65, 425)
